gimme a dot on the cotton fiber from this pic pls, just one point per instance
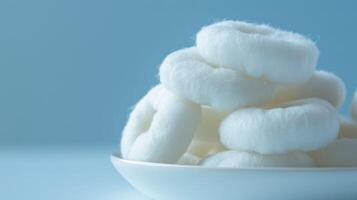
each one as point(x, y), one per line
point(354, 107)
point(340, 153)
point(186, 73)
point(322, 84)
point(301, 125)
point(236, 159)
point(259, 51)
point(160, 128)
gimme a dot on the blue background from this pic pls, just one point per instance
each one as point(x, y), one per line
point(70, 70)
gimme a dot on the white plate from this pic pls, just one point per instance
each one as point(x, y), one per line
point(170, 182)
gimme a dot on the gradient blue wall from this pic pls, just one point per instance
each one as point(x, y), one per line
point(70, 69)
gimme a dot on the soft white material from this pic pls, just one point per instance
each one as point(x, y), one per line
point(341, 153)
point(160, 128)
point(322, 84)
point(186, 73)
point(236, 159)
point(206, 138)
point(188, 159)
point(354, 107)
point(203, 148)
point(208, 128)
point(348, 128)
point(298, 125)
point(259, 51)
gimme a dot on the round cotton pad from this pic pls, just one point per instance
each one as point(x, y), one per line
point(186, 73)
point(324, 85)
point(340, 153)
point(259, 51)
point(300, 125)
point(236, 159)
point(160, 128)
point(354, 107)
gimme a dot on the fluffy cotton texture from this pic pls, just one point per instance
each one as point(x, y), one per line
point(207, 130)
point(236, 159)
point(259, 51)
point(186, 73)
point(188, 159)
point(340, 153)
point(348, 128)
point(354, 107)
point(301, 125)
point(202, 148)
point(160, 128)
point(322, 84)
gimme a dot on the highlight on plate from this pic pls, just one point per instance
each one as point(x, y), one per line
point(245, 96)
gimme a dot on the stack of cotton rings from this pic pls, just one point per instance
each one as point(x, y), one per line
point(245, 96)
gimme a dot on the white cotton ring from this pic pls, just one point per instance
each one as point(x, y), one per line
point(322, 84)
point(207, 130)
point(206, 139)
point(259, 51)
point(301, 125)
point(348, 128)
point(186, 73)
point(160, 128)
point(236, 159)
point(203, 148)
point(340, 153)
point(353, 109)
point(188, 159)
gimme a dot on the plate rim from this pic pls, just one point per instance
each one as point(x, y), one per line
point(117, 158)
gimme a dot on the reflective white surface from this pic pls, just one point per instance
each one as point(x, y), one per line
point(163, 181)
point(61, 172)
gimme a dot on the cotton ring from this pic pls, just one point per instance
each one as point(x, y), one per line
point(354, 107)
point(348, 128)
point(160, 128)
point(188, 159)
point(340, 153)
point(202, 148)
point(207, 130)
point(259, 51)
point(300, 125)
point(186, 73)
point(206, 139)
point(236, 159)
point(322, 84)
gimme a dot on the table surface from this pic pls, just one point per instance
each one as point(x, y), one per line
point(61, 172)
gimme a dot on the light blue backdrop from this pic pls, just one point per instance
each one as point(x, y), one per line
point(70, 69)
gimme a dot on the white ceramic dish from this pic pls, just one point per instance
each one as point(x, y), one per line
point(170, 182)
